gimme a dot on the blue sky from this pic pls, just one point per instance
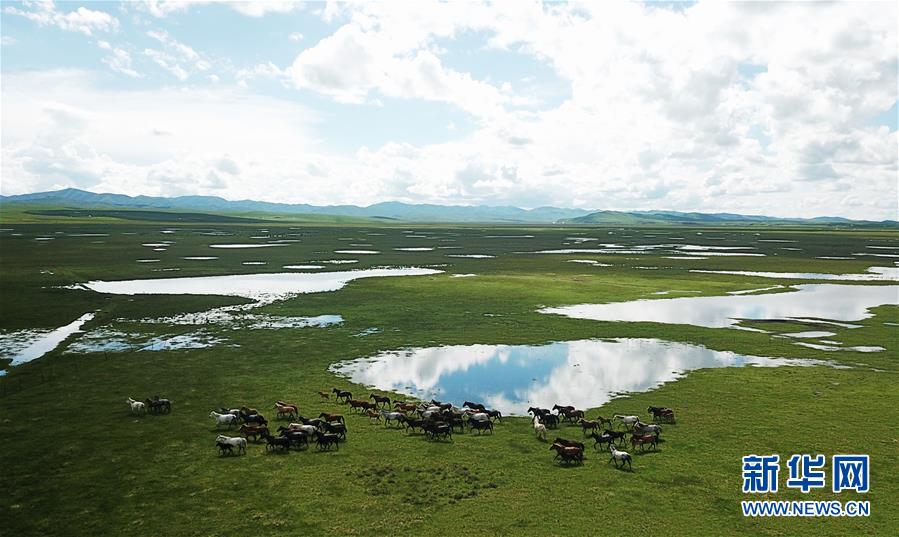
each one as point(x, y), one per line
point(782, 109)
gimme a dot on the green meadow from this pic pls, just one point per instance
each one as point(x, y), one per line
point(76, 462)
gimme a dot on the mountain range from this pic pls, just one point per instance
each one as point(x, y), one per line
point(72, 198)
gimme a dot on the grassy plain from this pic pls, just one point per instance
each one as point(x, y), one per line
point(76, 463)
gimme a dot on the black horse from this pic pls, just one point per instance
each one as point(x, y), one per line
point(414, 423)
point(661, 413)
point(475, 406)
point(224, 448)
point(255, 418)
point(343, 394)
point(335, 428)
point(601, 439)
point(485, 425)
point(380, 399)
point(434, 429)
point(296, 438)
point(276, 442)
point(617, 436)
point(326, 440)
point(157, 405)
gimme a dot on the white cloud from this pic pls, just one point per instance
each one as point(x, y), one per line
point(7, 40)
point(740, 107)
point(295, 37)
point(81, 20)
point(119, 61)
point(164, 8)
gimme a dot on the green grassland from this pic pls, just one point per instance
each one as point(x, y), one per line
point(76, 463)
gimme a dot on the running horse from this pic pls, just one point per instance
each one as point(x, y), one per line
point(661, 413)
point(342, 394)
point(380, 399)
point(568, 454)
point(157, 405)
point(286, 410)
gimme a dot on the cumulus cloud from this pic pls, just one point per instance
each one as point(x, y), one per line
point(740, 107)
point(86, 21)
point(164, 8)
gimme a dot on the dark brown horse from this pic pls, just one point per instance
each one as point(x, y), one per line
point(642, 440)
point(568, 454)
point(343, 394)
point(380, 399)
point(588, 425)
point(331, 417)
point(254, 431)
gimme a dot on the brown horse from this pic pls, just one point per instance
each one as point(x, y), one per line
point(331, 417)
point(363, 405)
point(572, 414)
point(254, 431)
point(588, 425)
point(324, 395)
point(642, 440)
point(286, 410)
point(568, 454)
point(372, 414)
point(405, 407)
point(380, 399)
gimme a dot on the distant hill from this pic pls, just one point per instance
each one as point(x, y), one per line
point(678, 218)
point(72, 199)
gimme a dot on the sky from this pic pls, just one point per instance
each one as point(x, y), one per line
point(782, 109)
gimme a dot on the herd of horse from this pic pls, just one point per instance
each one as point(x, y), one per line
point(436, 420)
point(152, 405)
point(614, 434)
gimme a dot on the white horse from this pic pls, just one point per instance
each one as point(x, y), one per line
point(479, 416)
point(539, 429)
point(647, 428)
point(234, 441)
point(622, 456)
point(627, 421)
point(308, 429)
point(392, 416)
point(137, 407)
point(223, 419)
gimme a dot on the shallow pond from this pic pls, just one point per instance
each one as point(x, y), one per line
point(260, 287)
point(821, 301)
point(510, 378)
point(27, 345)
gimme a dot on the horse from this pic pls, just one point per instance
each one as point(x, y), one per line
point(379, 399)
point(233, 441)
point(286, 410)
point(433, 429)
point(539, 429)
point(563, 409)
point(324, 395)
point(336, 428)
point(641, 440)
point(569, 443)
point(622, 456)
point(404, 407)
point(475, 406)
point(244, 412)
point(644, 428)
point(602, 439)
point(326, 440)
point(223, 447)
point(342, 394)
point(626, 421)
point(276, 442)
point(255, 418)
point(572, 415)
point(661, 413)
point(228, 419)
point(301, 427)
point(157, 405)
point(137, 408)
point(495, 415)
point(478, 416)
point(295, 437)
point(479, 426)
point(372, 414)
point(331, 417)
point(588, 425)
point(398, 417)
point(550, 420)
point(253, 430)
point(616, 436)
point(568, 454)
point(604, 422)
point(358, 403)
point(412, 423)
